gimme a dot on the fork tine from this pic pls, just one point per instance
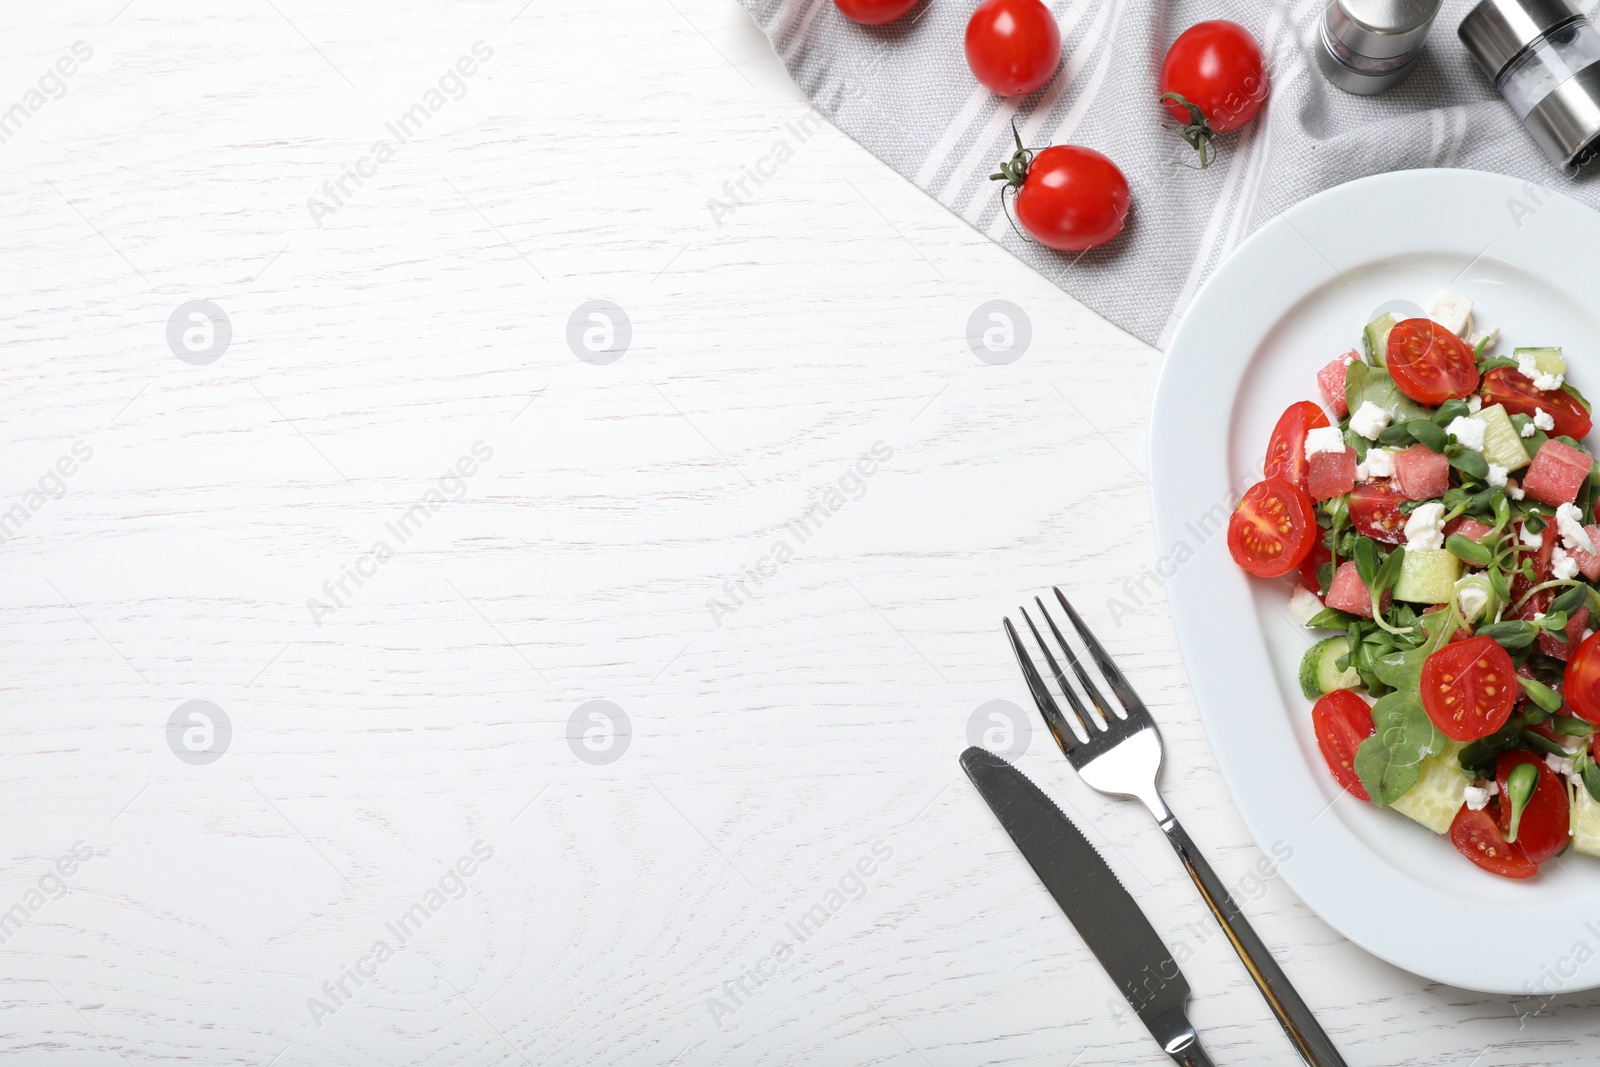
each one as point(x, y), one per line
point(1077, 668)
point(1090, 727)
point(1114, 677)
point(1053, 718)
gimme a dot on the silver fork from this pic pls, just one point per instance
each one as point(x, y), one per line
point(1122, 757)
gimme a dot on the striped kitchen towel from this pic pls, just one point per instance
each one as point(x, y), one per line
point(904, 91)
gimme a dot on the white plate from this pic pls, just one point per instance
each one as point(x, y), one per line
point(1295, 295)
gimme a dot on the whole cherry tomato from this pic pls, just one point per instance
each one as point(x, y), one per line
point(1013, 46)
point(1067, 197)
point(1213, 80)
point(874, 12)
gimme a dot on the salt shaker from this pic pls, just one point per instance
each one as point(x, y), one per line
point(1544, 57)
point(1371, 45)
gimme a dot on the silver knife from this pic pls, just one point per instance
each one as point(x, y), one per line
point(1104, 913)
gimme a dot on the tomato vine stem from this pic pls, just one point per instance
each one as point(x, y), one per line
point(1198, 132)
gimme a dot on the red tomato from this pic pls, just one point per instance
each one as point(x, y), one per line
point(1013, 46)
point(1073, 198)
point(1581, 683)
point(1313, 562)
point(1216, 66)
point(1375, 512)
point(1342, 721)
point(1520, 586)
point(1272, 529)
point(1542, 833)
point(1286, 451)
point(1429, 363)
point(1469, 688)
point(1477, 837)
point(874, 12)
point(1518, 395)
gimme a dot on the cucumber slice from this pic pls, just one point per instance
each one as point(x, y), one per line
point(1436, 797)
point(1427, 576)
point(1548, 360)
point(1319, 674)
point(1502, 444)
point(1585, 822)
point(1377, 338)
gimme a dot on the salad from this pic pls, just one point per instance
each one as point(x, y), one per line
point(1437, 518)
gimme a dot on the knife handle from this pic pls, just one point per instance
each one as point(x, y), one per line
point(1297, 1021)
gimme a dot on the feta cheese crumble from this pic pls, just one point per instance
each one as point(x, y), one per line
point(1304, 605)
point(1472, 598)
point(1513, 490)
point(1528, 367)
point(1562, 566)
point(1496, 476)
point(1378, 464)
point(1569, 520)
point(1425, 526)
point(1474, 403)
point(1369, 420)
point(1477, 798)
point(1492, 335)
point(1543, 420)
point(1468, 431)
point(1450, 311)
point(1324, 439)
point(1529, 538)
point(1560, 764)
point(1529, 429)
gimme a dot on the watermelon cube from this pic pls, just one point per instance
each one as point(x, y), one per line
point(1557, 473)
point(1330, 474)
point(1421, 473)
point(1562, 649)
point(1349, 593)
point(1588, 562)
point(1472, 529)
point(1331, 379)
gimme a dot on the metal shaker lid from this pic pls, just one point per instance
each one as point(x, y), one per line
point(1497, 30)
point(1381, 28)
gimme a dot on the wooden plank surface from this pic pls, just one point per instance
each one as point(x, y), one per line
point(401, 535)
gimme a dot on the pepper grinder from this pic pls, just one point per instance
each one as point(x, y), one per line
point(1544, 57)
point(1369, 46)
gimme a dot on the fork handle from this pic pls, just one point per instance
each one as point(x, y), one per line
point(1297, 1021)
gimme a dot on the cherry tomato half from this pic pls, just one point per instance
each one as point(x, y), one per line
point(1013, 46)
point(1477, 837)
point(1217, 66)
point(1429, 363)
point(1342, 721)
point(1072, 199)
point(1469, 688)
point(1581, 683)
point(874, 12)
point(1542, 833)
point(1286, 451)
point(1375, 512)
point(1272, 529)
point(1519, 396)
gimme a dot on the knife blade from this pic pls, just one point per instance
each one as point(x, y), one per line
point(1103, 912)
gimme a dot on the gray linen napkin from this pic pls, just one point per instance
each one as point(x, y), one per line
point(904, 91)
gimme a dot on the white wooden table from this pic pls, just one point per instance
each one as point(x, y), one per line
point(393, 652)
